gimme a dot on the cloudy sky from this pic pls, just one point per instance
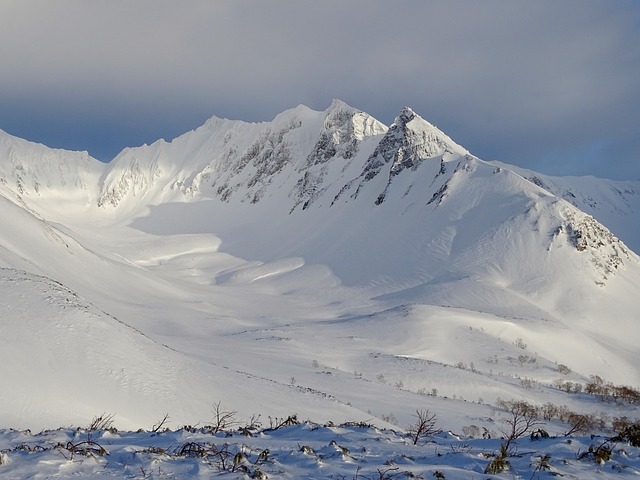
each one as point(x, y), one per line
point(548, 85)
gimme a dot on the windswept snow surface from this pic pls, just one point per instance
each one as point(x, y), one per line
point(301, 451)
point(321, 264)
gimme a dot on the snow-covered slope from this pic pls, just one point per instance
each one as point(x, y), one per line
point(320, 264)
point(613, 203)
point(51, 176)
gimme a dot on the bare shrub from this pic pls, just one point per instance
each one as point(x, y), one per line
point(425, 426)
point(521, 419)
point(527, 383)
point(579, 423)
point(538, 434)
point(253, 425)
point(90, 447)
point(500, 463)
point(569, 387)
point(630, 434)
point(543, 464)
point(276, 423)
point(607, 391)
point(520, 343)
point(597, 387)
point(618, 424)
point(548, 411)
point(522, 359)
point(192, 449)
point(160, 424)
point(223, 420)
point(221, 456)
point(600, 454)
point(390, 418)
point(101, 422)
point(471, 431)
point(86, 448)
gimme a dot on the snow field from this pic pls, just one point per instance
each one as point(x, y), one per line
point(301, 451)
point(314, 266)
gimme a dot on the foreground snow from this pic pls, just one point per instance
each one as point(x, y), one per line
point(299, 451)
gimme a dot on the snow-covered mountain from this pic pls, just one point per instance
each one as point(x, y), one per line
point(262, 264)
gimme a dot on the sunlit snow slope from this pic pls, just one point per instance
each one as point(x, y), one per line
point(321, 264)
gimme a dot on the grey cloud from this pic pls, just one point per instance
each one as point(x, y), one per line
point(517, 81)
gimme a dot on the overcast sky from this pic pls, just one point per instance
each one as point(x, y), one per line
point(548, 85)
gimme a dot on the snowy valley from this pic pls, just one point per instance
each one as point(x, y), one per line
point(321, 265)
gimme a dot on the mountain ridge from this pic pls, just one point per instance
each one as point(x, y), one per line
point(305, 160)
point(137, 169)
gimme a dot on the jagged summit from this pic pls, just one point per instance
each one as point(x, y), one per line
point(405, 116)
point(409, 121)
point(408, 143)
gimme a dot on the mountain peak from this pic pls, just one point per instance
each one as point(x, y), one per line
point(405, 116)
point(409, 142)
point(337, 104)
point(409, 119)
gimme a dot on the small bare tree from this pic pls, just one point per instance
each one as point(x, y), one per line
point(521, 419)
point(223, 420)
point(425, 426)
